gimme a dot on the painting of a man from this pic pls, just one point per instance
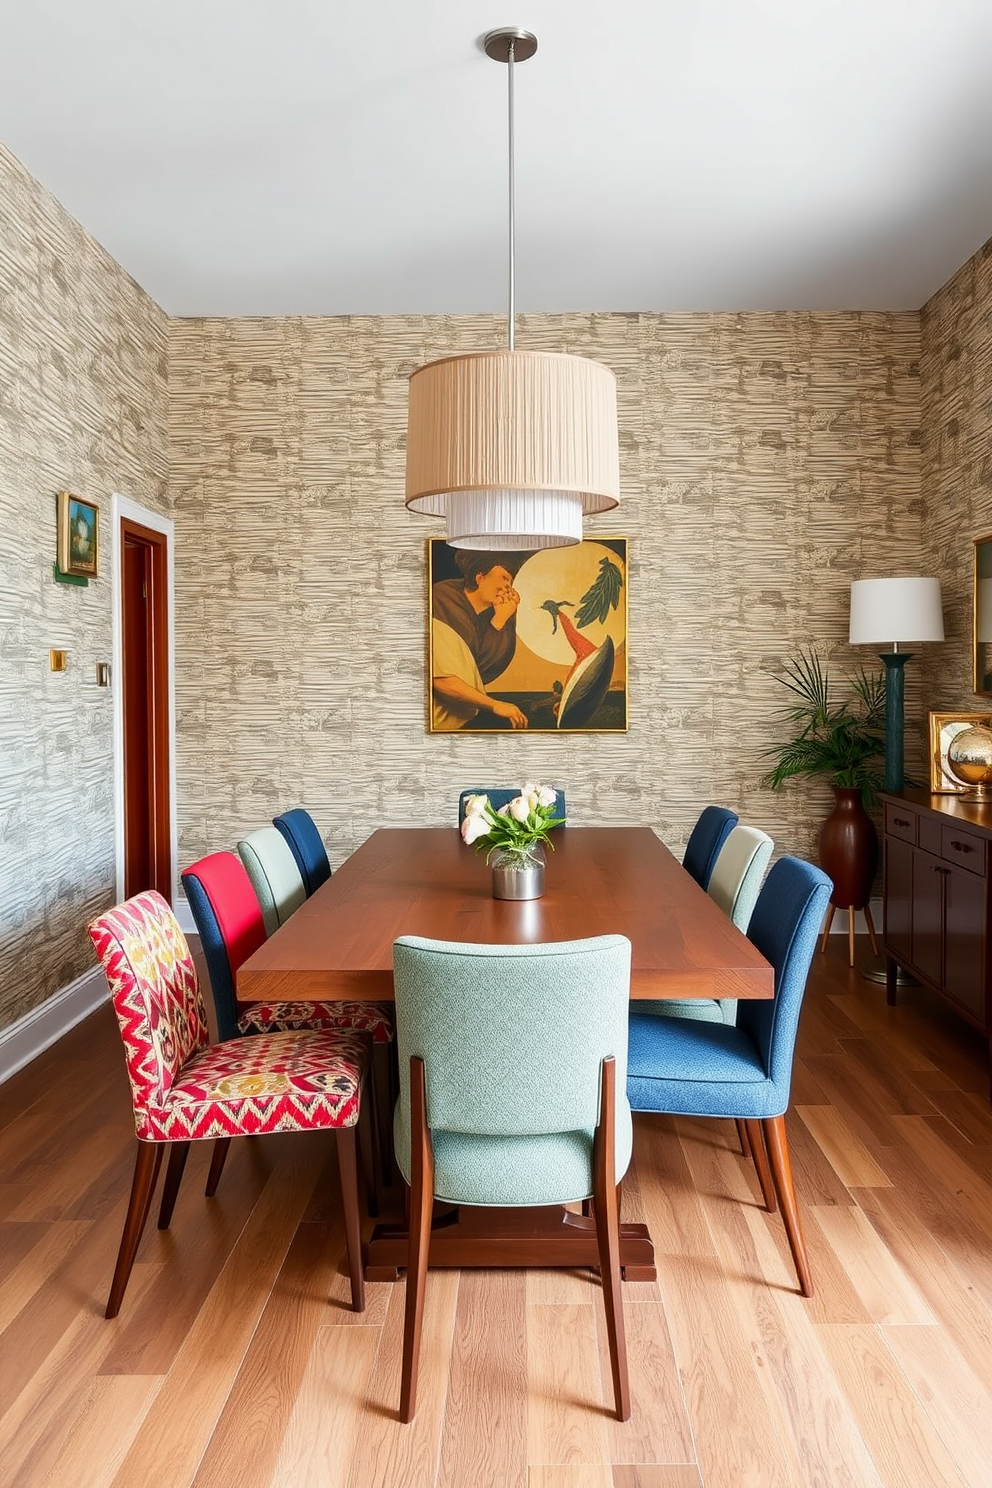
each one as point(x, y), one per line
point(473, 638)
point(528, 641)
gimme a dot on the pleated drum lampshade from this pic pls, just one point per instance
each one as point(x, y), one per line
point(512, 447)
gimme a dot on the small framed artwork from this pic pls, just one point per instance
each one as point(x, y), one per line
point(78, 536)
point(528, 641)
point(943, 727)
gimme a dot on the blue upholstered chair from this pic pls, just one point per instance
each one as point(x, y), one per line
point(275, 875)
point(705, 841)
point(734, 885)
point(499, 795)
point(307, 846)
point(512, 1062)
point(690, 1068)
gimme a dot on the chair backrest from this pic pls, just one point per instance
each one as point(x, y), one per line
point(513, 1036)
point(784, 927)
point(499, 795)
point(229, 920)
point(738, 871)
point(275, 875)
point(307, 846)
point(154, 990)
point(705, 841)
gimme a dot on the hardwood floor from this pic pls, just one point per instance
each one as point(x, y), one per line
point(235, 1362)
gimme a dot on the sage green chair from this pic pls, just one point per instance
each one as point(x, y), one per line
point(274, 874)
point(733, 884)
point(512, 1066)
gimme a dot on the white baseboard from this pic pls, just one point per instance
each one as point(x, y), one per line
point(184, 915)
point(43, 1026)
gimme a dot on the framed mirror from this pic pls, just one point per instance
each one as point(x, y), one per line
point(983, 614)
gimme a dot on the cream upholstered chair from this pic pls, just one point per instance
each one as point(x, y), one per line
point(275, 875)
point(733, 884)
point(512, 1063)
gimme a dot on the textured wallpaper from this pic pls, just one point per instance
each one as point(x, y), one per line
point(765, 461)
point(83, 390)
point(956, 488)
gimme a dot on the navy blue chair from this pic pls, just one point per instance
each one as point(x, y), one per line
point(711, 831)
point(684, 1067)
point(499, 796)
point(305, 843)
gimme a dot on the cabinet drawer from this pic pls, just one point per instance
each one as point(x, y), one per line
point(964, 848)
point(900, 823)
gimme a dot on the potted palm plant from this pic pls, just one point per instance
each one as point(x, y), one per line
point(844, 743)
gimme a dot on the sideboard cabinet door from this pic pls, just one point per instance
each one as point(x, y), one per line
point(938, 898)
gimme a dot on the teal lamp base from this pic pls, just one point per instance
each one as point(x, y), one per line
point(895, 717)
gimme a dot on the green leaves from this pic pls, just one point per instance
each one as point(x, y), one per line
point(844, 741)
point(602, 596)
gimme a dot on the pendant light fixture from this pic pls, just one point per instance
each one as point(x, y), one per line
point(512, 447)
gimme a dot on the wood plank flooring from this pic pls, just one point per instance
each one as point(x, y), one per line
point(235, 1362)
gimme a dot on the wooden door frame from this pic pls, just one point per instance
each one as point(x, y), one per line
point(123, 508)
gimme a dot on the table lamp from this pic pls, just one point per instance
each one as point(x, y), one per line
point(895, 611)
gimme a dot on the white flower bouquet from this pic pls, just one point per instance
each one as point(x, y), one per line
point(516, 827)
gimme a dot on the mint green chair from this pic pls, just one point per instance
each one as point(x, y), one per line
point(274, 874)
point(512, 1064)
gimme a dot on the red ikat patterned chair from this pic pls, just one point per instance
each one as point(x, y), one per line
point(187, 1090)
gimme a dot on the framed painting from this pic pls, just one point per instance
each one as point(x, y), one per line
point(528, 641)
point(943, 727)
point(78, 550)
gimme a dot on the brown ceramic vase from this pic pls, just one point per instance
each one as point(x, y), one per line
point(849, 849)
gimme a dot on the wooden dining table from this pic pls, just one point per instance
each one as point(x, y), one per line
point(425, 881)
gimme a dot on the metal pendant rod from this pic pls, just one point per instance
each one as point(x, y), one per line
point(510, 45)
point(509, 99)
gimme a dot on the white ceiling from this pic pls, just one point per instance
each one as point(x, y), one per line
point(349, 156)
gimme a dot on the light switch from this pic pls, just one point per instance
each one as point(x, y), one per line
point(57, 660)
point(103, 674)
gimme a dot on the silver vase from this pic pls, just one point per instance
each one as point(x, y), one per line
point(518, 875)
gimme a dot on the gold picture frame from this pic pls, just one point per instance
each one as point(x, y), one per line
point(78, 550)
point(943, 727)
point(528, 642)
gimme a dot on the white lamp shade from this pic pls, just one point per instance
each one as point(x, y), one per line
point(891, 611)
point(512, 447)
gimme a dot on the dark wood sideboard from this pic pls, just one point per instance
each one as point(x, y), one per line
point(938, 898)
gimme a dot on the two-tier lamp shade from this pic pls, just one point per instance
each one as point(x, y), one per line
point(512, 447)
point(895, 611)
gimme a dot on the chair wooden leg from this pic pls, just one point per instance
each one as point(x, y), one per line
point(348, 1173)
point(742, 1137)
point(421, 1205)
point(178, 1154)
point(756, 1143)
point(869, 922)
point(217, 1162)
point(607, 1211)
point(146, 1170)
point(826, 929)
point(384, 1098)
point(368, 1138)
point(778, 1152)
